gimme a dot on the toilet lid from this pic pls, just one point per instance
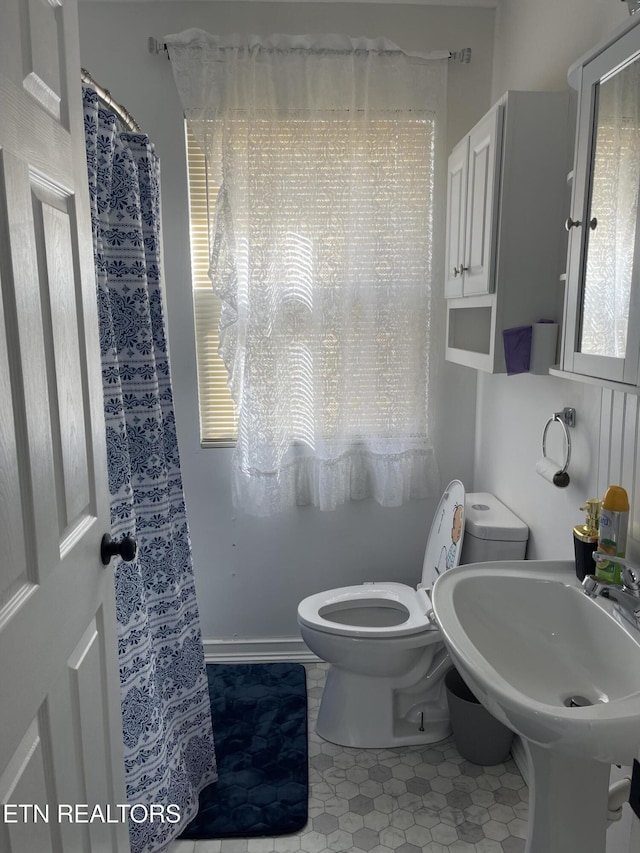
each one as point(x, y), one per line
point(444, 545)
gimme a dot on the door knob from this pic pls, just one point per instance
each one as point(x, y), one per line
point(126, 548)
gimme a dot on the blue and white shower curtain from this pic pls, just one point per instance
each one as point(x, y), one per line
point(168, 738)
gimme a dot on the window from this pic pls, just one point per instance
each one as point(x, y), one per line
point(395, 140)
point(218, 420)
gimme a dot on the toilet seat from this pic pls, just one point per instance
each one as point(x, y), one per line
point(388, 610)
point(399, 610)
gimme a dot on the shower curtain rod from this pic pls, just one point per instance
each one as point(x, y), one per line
point(107, 99)
point(463, 56)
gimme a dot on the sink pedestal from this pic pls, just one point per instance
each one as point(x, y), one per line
point(568, 800)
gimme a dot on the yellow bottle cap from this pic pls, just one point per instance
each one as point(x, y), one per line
point(616, 499)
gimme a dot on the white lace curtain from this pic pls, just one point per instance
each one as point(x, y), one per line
point(328, 155)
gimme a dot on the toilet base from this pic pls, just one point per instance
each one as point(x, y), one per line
point(377, 713)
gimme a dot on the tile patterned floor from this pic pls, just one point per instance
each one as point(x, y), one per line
point(408, 800)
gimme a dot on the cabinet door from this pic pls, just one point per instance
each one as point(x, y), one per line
point(482, 204)
point(602, 318)
point(456, 218)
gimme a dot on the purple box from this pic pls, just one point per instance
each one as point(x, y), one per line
point(517, 349)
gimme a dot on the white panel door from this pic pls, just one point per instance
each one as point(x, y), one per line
point(482, 204)
point(456, 216)
point(60, 732)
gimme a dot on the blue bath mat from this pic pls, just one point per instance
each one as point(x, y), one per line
point(259, 716)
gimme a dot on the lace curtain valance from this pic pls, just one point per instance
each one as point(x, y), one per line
point(328, 155)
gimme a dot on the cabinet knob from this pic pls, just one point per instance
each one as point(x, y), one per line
point(456, 272)
point(463, 269)
point(576, 223)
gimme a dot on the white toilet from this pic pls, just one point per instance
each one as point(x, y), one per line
point(385, 686)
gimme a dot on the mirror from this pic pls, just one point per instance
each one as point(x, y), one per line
point(612, 219)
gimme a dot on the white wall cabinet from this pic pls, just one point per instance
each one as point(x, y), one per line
point(601, 340)
point(505, 241)
point(471, 208)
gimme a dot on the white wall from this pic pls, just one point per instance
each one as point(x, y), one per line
point(251, 573)
point(537, 42)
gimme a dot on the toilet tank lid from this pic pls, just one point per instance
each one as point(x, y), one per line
point(488, 518)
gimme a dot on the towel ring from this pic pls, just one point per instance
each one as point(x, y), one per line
point(557, 418)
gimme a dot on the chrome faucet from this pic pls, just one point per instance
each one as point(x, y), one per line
point(627, 596)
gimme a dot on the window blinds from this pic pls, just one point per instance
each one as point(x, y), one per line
point(218, 420)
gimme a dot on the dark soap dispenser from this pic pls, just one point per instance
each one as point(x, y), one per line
point(585, 539)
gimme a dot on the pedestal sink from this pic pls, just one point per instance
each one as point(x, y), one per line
point(560, 669)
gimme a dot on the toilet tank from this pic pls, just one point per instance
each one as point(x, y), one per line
point(491, 530)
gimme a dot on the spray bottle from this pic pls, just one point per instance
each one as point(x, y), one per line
point(612, 535)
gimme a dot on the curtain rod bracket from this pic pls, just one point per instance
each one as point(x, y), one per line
point(155, 47)
point(463, 56)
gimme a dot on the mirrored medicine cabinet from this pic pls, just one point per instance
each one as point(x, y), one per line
point(602, 298)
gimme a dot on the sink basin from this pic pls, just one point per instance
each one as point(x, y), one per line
point(532, 645)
